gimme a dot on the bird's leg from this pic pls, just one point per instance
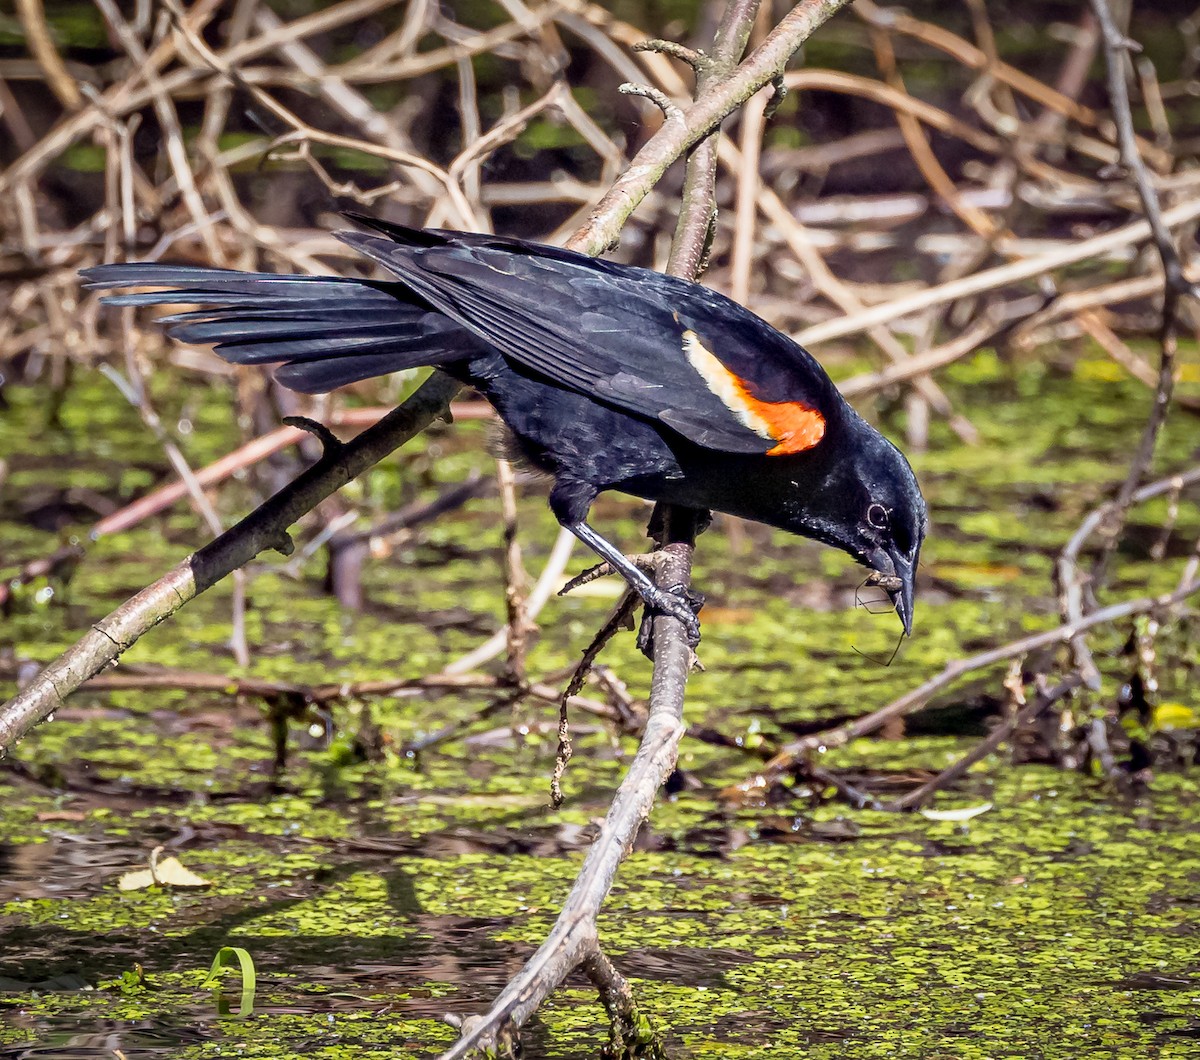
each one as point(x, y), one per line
point(675, 601)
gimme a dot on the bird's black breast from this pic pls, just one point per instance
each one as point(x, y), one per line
point(582, 442)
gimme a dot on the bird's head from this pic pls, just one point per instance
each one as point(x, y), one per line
point(868, 504)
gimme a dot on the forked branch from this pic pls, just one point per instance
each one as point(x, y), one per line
point(574, 942)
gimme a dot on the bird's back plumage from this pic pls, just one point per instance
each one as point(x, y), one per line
point(619, 334)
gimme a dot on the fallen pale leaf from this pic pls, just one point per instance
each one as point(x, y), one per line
point(167, 872)
point(963, 814)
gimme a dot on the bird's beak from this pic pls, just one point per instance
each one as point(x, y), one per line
point(903, 596)
point(896, 573)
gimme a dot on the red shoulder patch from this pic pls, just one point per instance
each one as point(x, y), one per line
point(794, 426)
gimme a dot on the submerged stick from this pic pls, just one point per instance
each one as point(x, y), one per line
point(913, 701)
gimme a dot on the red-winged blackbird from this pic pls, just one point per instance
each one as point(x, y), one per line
point(608, 377)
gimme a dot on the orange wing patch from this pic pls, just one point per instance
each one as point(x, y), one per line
point(795, 427)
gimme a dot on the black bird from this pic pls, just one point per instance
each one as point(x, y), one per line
point(607, 376)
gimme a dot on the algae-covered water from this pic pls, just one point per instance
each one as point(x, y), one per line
point(377, 891)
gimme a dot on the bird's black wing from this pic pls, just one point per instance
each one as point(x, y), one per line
point(651, 344)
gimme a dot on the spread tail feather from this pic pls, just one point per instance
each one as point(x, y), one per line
point(324, 331)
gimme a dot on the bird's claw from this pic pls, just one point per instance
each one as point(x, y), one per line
point(678, 601)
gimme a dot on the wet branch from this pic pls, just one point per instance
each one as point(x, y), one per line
point(1071, 581)
point(799, 750)
point(1024, 717)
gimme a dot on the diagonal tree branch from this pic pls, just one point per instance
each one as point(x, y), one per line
point(264, 528)
point(573, 939)
point(675, 137)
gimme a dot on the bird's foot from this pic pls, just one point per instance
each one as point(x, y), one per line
point(679, 601)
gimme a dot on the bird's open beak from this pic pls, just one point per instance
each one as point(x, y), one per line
point(896, 573)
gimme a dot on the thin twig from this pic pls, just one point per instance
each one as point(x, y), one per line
point(918, 697)
point(1070, 582)
point(1027, 715)
point(516, 600)
point(41, 44)
point(620, 618)
point(698, 206)
point(1116, 46)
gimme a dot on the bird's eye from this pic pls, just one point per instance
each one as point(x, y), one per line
point(877, 516)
